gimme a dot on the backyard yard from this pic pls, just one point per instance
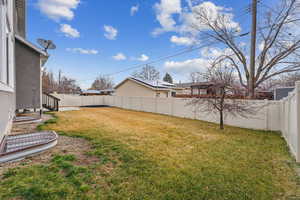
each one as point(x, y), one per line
point(136, 155)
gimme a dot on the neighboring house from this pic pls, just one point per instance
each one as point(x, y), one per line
point(20, 65)
point(97, 92)
point(185, 88)
point(280, 93)
point(195, 89)
point(202, 88)
point(133, 87)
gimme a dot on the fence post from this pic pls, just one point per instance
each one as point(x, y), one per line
point(156, 105)
point(172, 106)
point(267, 113)
point(297, 91)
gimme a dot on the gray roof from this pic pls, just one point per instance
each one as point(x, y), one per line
point(184, 85)
point(188, 85)
point(32, 46)
point(97, 91)
point(91, 92)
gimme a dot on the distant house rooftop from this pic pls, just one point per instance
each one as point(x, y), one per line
point(152, 84)
point(97, 92)
point(280, 93)
point(203, 85)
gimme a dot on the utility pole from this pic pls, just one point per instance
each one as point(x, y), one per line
point(253, 50)
point(59, 81)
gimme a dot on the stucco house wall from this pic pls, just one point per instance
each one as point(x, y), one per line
point(132, 89)
point(28, 77)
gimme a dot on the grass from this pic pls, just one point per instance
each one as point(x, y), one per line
point(150, 156)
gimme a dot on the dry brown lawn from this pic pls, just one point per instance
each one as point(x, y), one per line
point(152, 156)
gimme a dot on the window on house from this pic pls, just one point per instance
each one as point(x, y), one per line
point(3, 68)
point(6, 50)
point(7, 60)
point(203, 91)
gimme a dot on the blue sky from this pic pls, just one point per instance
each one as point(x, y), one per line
point(85, 49)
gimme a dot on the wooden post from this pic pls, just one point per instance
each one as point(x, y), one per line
point(253, 49)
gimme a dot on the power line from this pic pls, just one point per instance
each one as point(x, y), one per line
point(184, 51)
point(181, 52)
point(159, 59)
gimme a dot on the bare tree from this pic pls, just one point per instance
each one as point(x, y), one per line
point(285, 80)
point(278, 41)
point(223, 99)
point(195, 77)
point(63, 85)
point(102, 83)
point(68, 86)
point(49, 84)
point(290, 79)
point(147, 73)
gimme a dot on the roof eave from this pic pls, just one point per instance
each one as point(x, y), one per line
point(44, 54)
point(143, 84)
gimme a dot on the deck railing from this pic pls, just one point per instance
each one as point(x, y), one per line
point(50, 102)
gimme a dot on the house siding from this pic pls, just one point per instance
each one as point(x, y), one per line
point(7, 68)
point(28, 75)
point(132, 89)
point(7, 107)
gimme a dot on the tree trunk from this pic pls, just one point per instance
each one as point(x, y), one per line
point(251, 90)
point(221, 120)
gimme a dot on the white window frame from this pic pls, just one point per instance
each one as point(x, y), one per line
point(6, 47)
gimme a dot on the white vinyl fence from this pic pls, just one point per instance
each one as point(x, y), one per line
point(290, 120)
point(281, 116)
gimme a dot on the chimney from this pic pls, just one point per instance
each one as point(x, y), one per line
point(21, 17)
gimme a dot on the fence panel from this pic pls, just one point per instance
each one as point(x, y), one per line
point(164, 106)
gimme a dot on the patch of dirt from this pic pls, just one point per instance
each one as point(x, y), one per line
point(66, 145)
point(19, 128)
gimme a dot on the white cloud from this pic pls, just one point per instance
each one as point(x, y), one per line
point(261, 46)
point(120, 56)
point(208, 55)
point(191, 23)
point(181, 40)
point(58, 9)
point(188, 20)
point(110, 32)
point(134, 9)
point(164, 15)
point(143, 58)
point(69, 31)
point(213, 53)
point(187, 66)
point(83, 51)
